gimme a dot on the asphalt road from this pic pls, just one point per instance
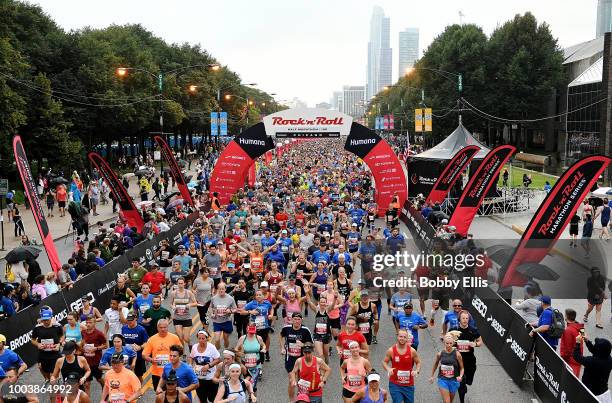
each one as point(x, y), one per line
point(273, 388)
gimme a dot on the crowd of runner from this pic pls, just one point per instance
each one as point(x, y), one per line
point(300, 243)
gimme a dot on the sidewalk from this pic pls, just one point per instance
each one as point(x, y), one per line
point(60, 226)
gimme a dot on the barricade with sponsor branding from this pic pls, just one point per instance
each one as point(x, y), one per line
point(422, 232)
point(18, 328)
point(553, 381)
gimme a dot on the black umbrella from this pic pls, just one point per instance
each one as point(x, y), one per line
point(59, 180)
point(170, 195)
point(500, 254)
point(22, 253)
point(538, 271)
point(142, 172)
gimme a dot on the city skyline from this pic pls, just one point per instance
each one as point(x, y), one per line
point(295, 50)
point(380, 55)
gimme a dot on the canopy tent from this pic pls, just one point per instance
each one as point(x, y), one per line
point(424, 171)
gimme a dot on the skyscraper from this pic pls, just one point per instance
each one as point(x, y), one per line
point(353, 103)
point(379, 54)
point(604, 17)
point(408, 49)
point(337, 101)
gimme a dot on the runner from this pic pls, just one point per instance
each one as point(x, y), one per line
point(449, 365)
point(47, 338)
point(260, 311)
point(10, 359)
point(353, 371)
point(135, 337)
point(366, 314)
point(373, 393)
point(157, 350)
point(223, 307)
point(411, 321)
point(187, 379)
point(252, 348)
point(120, 384)
point(402, 364)
point(349, 335)
point(153, 315)
point(309, 375)
point(71, 363)
point(92, 345)
point(234, 389)
point(203, 358)
point(181, 300)
point(172, 394)
point(118, 347)
point(292, 338)
point(242, 295)
point(468, 338)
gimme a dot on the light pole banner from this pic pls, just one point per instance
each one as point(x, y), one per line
point(418, 120)
point(428, 124)
point(386, 122)
point(29, 187)
point(391, 122)
point(175, 170)
point(223, 123)
point(214, 124)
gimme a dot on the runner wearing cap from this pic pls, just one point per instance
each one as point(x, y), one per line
point(71, 363)
point(203, 358)
point(251, 348)
point(372, 393)
point(187, 379)
point(309, 375)
point(47, 338)
point(10, 359)
point(366, 314)
point(157, 350)
point(135, 337)
point(402, 364)
point(449, 365)
point(240, 390)
point(412, 322)
point(451, 319)
point(120, 384)
point(173, 394)
point(353, 371)
point(398, 300)
point(260, 311)
point(74, 394)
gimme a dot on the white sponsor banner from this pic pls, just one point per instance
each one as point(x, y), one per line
point(308, 122)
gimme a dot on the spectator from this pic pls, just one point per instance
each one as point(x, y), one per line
point(545, 323)
point(566, 348)
point(38, 288)
point(65, 276)
point(587, 232)
point(597, 367)
point(19, 229)
point(596, 293)
point(547, 187)
point(51, 283)
point(528, 309)
point(7, 305)
point(23, 297)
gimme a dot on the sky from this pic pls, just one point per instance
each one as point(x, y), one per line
point(310, 48)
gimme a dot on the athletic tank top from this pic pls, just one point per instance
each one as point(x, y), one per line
point(331, 301)
point(343, 289)
point(76, 399)
point(84, 315)
point(251, 350)
point(449, 365)
point(366, 398)
point(355, 375)
point(300, 269)
point(291, 308)
point(181, 310)
point(364, 319)
point(257, 263)
point(274, 281)
point(73, 334)
point(402, 363)
point(70, 367)
point(309, 379)
point(319, 282)
point(321, 324)
point(241, 394)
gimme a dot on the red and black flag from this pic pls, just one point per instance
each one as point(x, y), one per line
point(175, 170)
point(451, 173)
point(29, 187)
point(478, 186)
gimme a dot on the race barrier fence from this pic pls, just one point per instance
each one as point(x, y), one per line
point(506, 333)
point(99, 285)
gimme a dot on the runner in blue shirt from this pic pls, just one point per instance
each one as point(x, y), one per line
point(143, 301)
point(135, 337)
point(398, 300)
point(10, 359)
point(451, 319)
point(321, 254)
point(357, 215)
point(260, 311)
point(186, 376)
point(412, 322)
point(367, 250)
point(129, 355)
point(267, 240)
point(395, 242)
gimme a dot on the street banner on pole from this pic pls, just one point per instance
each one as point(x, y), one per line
point(223, 123)
point(478, 186)
point(120, 193)
point(428, 114)
point(29, 187)
point(214, 124)
point(391, 122)
point(418, 120)
point(451, 173)
point(553, 215)
point(175, 170)
point(386, 122)
point(252, 177)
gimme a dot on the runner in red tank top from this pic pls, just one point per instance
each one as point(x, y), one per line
point(402, 364)
point(309, 373)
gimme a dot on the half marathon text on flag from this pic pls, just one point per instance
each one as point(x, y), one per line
point(302, 135)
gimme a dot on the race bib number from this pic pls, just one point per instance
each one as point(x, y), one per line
point(435, 303)
point(181, 309)
point(213, 271)
point(321, 287)
point(364, 327)
point(346, 354)
point(303, 386)
point(143, 308)
point(165, 254)
point(355, 380)
point(371, 217)
point(47, 344)
point(448, 371)
point(300, 274)
point(117, 397)
point(250, 360)
point(284, 249)
point(241, 304)
point(463, 346)
point(260, 322)
point(321, 328)
point(273, 288)
point(89, 350)
point(294, 350)
point(403, 376)
point(221, 310)
point(162, 359)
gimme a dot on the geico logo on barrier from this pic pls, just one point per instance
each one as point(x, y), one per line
point(20, 341)
point(480, 306)
point(78, 304)
point(516, 348)
point(496, 326)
